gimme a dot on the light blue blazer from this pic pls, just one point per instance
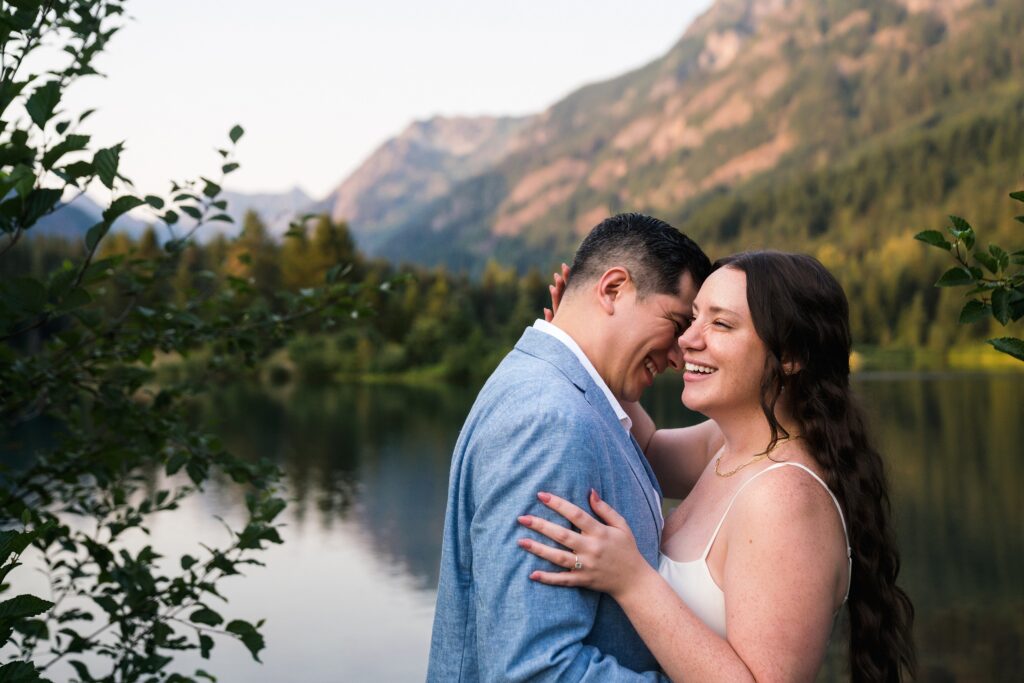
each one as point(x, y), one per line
point(539, 424)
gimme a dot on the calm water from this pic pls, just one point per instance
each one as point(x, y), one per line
point(350, 595)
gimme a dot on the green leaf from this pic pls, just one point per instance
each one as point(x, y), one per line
point(973, 311)
point(170, 217)
point(76, 298)
point(72, 143)
point(236, 133)
point(205, 645)
point(960, 225)
point(154, 201)
point(1000, 255)
point(955, 277)
point(95, 234)
point(26, 294)
point(79, 169)
point(4, 571)
point(42, 102)
point(1001, 305)
point(1019, 196)
point(962, 231)
point(23, 606)
point(121, 206)
point(38, 204)
point(249, 636)
point(19, 672)
point(987, 260)
point(223, 217)
point(228, 168)
point(206, 616)
point(106, 162)
point(9, 90)
point(187, 561)
point(13, 543)
point(934, 238)
point(176, 462)
point(192, 211)
point(82, 671)
point(1009, 345)
point(210, 188)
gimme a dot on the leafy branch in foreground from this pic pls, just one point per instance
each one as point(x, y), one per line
point(999, 292)
point(78, 342)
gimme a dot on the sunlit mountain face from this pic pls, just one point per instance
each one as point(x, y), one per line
point(789, 123)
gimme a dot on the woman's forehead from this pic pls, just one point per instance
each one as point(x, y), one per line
point(724, 288)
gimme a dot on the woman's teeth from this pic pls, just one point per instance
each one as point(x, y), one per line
point(693, 367)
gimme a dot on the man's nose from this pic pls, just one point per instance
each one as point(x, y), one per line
point(675, 355)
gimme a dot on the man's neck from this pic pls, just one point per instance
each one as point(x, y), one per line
point(581, 328)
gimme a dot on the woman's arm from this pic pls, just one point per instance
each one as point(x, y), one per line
point(677, 456)
point(780, 588)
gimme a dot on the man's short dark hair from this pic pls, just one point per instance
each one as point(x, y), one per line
point(655, 254)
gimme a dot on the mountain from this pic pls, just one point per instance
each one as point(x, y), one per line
point(276, 209)
point(73, 219)
point(737, 135)
point(423, 163)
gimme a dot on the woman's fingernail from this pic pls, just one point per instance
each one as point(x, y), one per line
point(524, 520)
point(534, 575)
point(544, 497)
point(523, 543)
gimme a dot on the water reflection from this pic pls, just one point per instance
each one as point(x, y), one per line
point(374, 455)
point(376, 459)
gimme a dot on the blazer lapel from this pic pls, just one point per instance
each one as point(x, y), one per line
point(546, 347)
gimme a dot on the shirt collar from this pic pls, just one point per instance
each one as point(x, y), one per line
point(570, 343)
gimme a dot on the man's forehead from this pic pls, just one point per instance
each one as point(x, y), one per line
point(687, 292)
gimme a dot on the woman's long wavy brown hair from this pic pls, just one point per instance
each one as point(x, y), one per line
point(801, 313)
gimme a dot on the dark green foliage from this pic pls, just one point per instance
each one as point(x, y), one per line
point(999, 292)
point(81, 326)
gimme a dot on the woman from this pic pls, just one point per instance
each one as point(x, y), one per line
point(786, 514)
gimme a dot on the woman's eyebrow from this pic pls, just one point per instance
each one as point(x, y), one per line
point(715, 310)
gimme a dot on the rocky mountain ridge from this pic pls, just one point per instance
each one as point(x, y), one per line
point(753, 87)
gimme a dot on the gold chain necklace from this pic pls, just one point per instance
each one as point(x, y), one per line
point(757, 457)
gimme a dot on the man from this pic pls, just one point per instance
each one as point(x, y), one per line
point(549, 419)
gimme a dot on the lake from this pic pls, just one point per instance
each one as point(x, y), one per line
point(350, 595)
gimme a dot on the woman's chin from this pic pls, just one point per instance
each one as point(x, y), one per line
point(692, 401)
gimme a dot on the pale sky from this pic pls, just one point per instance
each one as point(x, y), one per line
point(318, 85)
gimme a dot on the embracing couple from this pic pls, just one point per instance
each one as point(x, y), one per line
point(557, 564)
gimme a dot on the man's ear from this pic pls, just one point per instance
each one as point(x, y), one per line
point(611, 287)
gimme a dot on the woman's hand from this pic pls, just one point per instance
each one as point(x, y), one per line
point(602, 557)
point(556, 290)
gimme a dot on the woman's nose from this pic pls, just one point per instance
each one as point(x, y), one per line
point(691, 337)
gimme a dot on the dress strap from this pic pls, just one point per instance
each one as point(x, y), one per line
point(839, 509)
point(714, 535)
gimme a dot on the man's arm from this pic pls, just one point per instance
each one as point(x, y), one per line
point(526, 630)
